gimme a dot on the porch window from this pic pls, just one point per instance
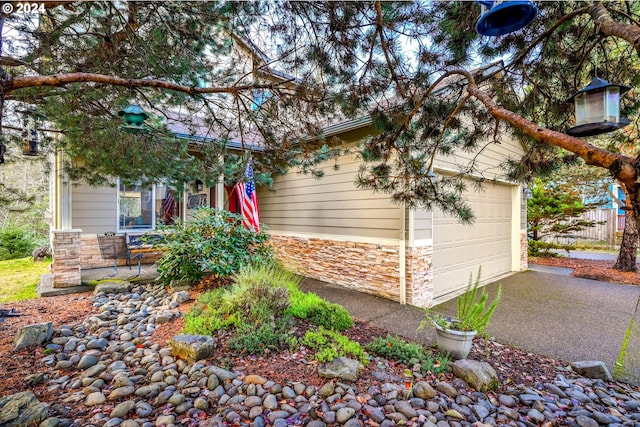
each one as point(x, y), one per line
point(141, 208)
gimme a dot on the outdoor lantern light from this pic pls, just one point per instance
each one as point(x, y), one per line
point(199, 185)
point(598, 108)
point(29, 133)
point(500, 17)
point(527, 193)
point(134, 117)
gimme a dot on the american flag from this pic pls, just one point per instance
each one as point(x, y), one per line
point(168, 207)
point(248, 200)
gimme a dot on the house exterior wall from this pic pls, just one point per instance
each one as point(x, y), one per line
point(329, 230)
point(90, 256)
point(488, 162)
point(94, 209)
point(422, 224)
point(330, 206)
point(524, 248)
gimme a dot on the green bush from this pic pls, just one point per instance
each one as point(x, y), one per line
point(303, 303)
point(254, 307)
point(209, 314)
point(17, 242)
point(319, 312)
point(267, 336)
point(331, 316)
point(408, 353)
point(538, 248)
point(397, 349)
point(214, 242)
point(328, 345)
point(259, 307)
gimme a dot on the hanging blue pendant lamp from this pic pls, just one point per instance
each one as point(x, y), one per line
point(500, 17)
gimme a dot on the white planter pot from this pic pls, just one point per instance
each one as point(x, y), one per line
point(456, 343)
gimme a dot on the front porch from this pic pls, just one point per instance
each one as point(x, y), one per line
point(90, 277)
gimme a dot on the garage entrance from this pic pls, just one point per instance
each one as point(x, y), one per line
point(458, 250)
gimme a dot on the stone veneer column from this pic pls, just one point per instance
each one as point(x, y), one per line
point(524, 252)
point(65, 269)
point(420, 275)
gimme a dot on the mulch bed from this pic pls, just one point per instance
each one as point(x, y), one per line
point(591, 269)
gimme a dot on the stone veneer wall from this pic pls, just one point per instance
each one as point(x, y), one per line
point(524, 251)
point(420, 275)
point(90, 255)
point(366, 267)
point(65, 268)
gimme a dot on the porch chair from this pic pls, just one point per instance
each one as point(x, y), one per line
point(113, 246)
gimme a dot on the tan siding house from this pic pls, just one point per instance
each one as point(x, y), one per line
point(328, 229)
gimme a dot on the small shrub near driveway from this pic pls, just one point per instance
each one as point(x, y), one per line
point(408, 353)
point(307, 305)
point(212, 242)
point(328, 345)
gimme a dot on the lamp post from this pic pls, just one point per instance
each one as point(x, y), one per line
point(597, 108)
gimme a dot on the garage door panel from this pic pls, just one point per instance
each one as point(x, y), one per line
point(459, 250)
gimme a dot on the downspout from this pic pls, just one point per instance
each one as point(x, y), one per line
point(517, 207)
point(220, 188)
point(403, 254)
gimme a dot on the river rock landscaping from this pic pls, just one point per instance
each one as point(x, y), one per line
point(109, 363)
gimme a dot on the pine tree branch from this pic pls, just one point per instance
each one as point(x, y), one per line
point(609, 27)
point(22, 82)
point(619, 164)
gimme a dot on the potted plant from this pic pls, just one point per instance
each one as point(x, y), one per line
point(455, 335)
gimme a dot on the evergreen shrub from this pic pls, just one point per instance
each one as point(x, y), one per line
point(213, 242)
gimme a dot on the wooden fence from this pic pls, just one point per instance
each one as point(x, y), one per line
point(605, 232)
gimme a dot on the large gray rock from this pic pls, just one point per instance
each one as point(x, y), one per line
point(180, 285)
point(115, 287)
point(21, 410)
point(479, 375)
point(423, 390)
point(181, 296)
point(592, 369)
point(341, 367)
point(192, 347)
point(33, 335)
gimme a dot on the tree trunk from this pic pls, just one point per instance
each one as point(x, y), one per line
point(629, 247)
point(3, 76)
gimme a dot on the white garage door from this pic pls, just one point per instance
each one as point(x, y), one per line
point(458, 250)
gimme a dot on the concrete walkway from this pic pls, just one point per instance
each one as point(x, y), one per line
point(90, 277)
